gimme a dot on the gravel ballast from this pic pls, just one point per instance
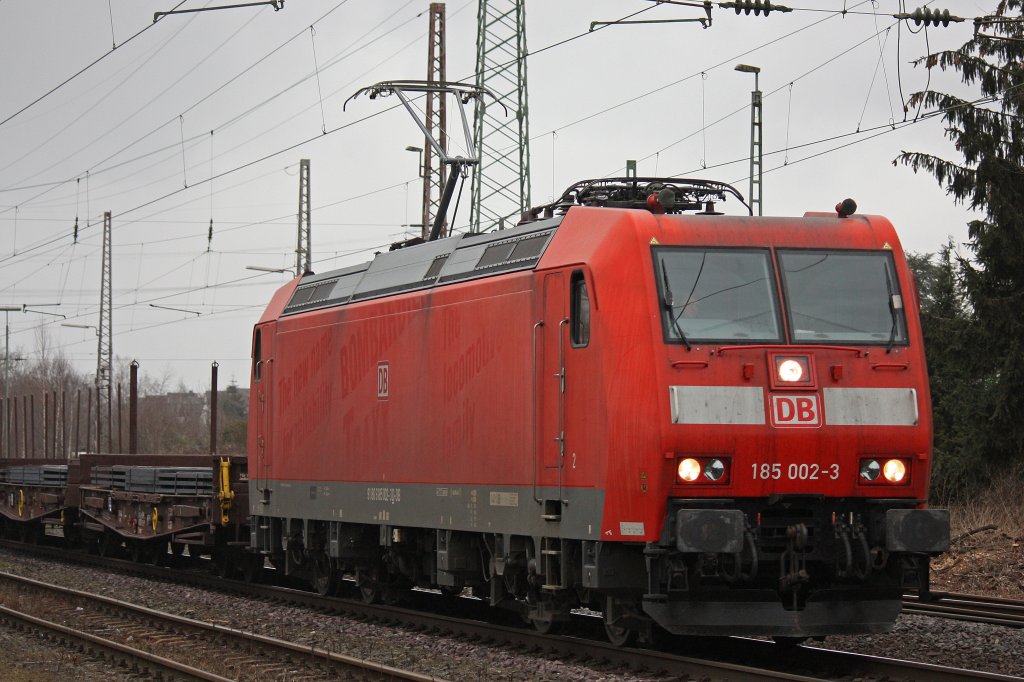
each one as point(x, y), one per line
point(933, 640)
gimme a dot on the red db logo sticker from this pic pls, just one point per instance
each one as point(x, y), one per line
point(383, 381)
point(795, 410)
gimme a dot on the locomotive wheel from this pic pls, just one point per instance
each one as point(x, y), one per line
point(370, 590)
point(547, 626)
point(618, 635)
point(325, 578)
point(450, 592)
point(370, 594)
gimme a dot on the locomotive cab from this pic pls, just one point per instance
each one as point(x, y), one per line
point(795, 427)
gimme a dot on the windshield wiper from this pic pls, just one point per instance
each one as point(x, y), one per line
point(895, 304)
point(667, 302)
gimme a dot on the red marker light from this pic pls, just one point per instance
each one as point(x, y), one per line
point(653, 205)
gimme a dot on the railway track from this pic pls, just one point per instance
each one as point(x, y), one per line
point(170, 645)
point(718, 658)
point(968, 607)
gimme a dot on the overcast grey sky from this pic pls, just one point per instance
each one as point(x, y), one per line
point(242, 95)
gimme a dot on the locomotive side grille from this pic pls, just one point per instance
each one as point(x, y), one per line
point(523, 250)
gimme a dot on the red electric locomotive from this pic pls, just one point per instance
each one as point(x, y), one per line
point(704, 423)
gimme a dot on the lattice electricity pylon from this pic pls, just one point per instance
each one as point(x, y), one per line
point(435, 121)
point(304, 244)
point(501, 183)
point(463, 93)
point(105, 346)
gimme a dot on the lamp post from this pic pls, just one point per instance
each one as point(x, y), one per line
point(8, 309)
point(756, 150)
point(263, 268)
point(82, 326)
point(419, 156)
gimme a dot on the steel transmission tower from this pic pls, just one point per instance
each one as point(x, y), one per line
point(304, 246)
point(501, 183)
point(435, 122)
point(105, 348)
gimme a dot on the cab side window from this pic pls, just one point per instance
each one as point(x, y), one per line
point(579, 310)
point(257, 357)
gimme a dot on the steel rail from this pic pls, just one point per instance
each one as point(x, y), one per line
point(968, 607)
point(135, 657)
point(718, 656)
point(228, 638)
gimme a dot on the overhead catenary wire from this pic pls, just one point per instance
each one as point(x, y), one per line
point(791, 90)
point(78, 73)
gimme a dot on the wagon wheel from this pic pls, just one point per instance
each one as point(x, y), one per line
point(325, 578)
point(138, 551)
point(108, 545)
point(158, 553)
point(252, 568)
point(223, 564)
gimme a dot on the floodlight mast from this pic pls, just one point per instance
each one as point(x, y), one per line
point(464, 92)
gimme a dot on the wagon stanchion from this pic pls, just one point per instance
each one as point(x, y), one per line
point(133, 408)
point(24, 426)
point(64, 423)
point(46, 424)
point(30, 432)
point(78, 410)
point(213, 408)
point(120, 421)
point(88, 421)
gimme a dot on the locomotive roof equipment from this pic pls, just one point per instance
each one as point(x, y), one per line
point(464, 94)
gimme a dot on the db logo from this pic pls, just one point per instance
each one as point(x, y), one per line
point(383, 381)
point(795, 410)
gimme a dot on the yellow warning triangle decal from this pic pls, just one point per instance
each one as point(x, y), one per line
point(887, 245)
point(654, 241)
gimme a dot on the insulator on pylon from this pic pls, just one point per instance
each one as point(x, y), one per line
point(927, 16)
point(756, 7)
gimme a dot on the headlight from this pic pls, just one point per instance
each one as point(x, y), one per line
point(894, 471)
point(714, 470)
point(702, 469)
point(869, 469)
point(689, 470)
point(791, 371)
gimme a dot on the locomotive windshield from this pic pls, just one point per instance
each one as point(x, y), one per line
point(843, 296)
point(717, 294)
